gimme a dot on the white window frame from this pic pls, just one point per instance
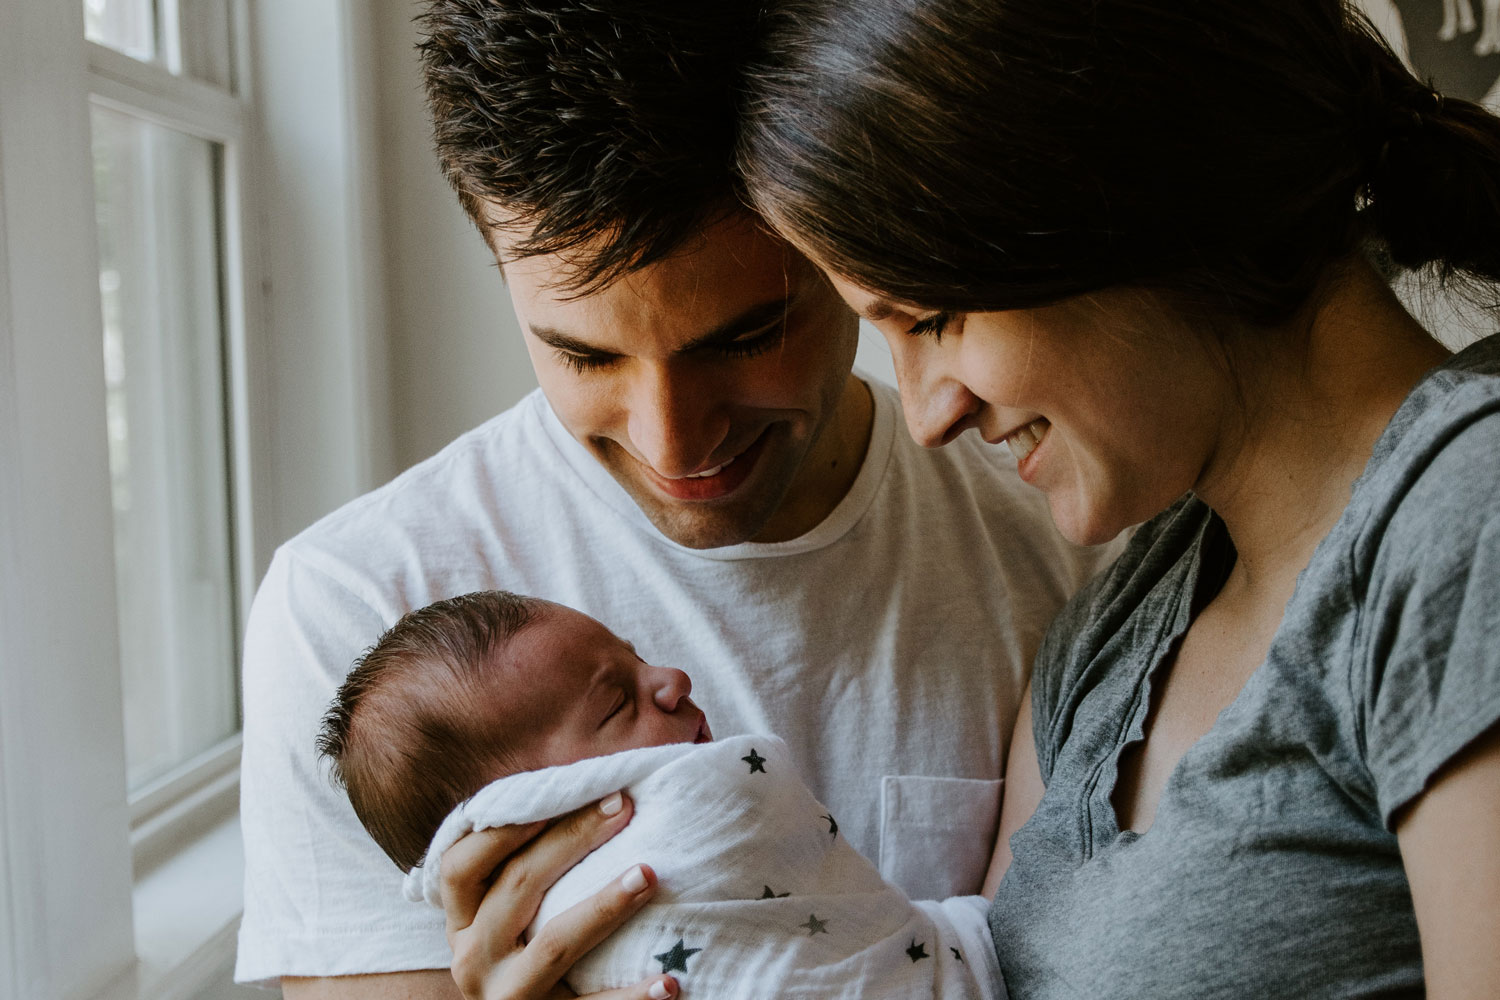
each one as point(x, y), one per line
point(81, 863)
point(168, 808)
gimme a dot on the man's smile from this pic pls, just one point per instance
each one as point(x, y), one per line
point(713, 483)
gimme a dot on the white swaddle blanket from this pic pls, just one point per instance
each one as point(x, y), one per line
point(758, 896)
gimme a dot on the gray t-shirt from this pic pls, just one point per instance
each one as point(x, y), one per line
point(1271, 868)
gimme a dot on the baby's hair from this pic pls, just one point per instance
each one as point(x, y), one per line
point(410, 732)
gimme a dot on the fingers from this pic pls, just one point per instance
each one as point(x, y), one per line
point(512, 902)
point(578, 929)
point(657, 988)
point(470, 863)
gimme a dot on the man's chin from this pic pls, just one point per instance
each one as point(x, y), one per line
point(710, 524)
point(713, 524)
point(700, 527)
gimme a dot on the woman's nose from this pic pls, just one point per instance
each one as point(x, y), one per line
point(938, 406)
point(669, 686)
point(939, 413)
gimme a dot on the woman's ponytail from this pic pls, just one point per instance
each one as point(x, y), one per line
point(1433, 187)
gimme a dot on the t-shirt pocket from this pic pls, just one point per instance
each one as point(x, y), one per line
point(937, 834)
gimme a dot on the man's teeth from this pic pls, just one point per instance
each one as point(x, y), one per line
point(710, 472)
point(1024, 441)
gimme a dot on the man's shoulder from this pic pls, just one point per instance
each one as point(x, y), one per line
point(488, 474)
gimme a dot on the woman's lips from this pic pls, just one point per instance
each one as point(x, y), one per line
point(704, 736)
point(1023, 440)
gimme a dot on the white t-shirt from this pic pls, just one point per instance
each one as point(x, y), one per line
point(889, 647)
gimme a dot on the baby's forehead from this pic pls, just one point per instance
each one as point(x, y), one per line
point(557, 631)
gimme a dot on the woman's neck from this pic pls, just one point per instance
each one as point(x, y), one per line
point(1316, 402)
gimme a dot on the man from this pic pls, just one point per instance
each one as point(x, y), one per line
point(700, 472)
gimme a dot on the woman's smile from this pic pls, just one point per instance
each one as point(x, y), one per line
point(1024, 440)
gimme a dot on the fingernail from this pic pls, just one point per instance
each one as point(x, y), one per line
point(659, 990)
point(612, 805)
point(634, 880)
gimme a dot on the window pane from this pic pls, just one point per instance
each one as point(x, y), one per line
point(159, 249)
point(205, 27)
point(127, 25)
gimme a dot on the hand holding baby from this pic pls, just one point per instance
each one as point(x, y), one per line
point(487, 912)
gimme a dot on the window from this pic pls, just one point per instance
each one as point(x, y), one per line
point(166, 127)
point(149, 221)
point(125, 542)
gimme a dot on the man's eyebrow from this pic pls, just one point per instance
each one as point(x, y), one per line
point(752, 319)
point(748, 321)
point(563, 342)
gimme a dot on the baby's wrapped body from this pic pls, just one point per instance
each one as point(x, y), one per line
point(759, 896)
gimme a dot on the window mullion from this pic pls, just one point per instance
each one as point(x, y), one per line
point(151, 92)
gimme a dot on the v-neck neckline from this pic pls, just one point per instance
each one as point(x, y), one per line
point(1202, 582)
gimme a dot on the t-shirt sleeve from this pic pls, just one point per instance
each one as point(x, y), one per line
point(321, 899)
point(1428, 681)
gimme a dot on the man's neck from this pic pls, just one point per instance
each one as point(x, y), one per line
point(829, 471)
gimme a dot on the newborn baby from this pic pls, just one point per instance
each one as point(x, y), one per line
point(492, 708)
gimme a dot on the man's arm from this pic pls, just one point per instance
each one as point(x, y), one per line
point(1450, 844)
point(431, 984)
point(320, 896)
point(1023, 792)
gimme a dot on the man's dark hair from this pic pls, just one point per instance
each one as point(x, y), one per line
point(410, 733)
point(600, 128)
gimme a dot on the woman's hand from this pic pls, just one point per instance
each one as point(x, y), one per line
point(493, 883)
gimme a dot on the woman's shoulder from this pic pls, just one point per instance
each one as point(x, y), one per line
point(1426, 572)
point(1433, 482)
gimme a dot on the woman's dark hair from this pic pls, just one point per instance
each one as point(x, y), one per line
point(603, 128)
point(409, 733)
point(996, 154)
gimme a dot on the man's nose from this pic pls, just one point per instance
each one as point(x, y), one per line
point(674, 422)
point(669, 686)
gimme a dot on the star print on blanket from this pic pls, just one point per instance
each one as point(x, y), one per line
point(758, 896)
point(676, 959)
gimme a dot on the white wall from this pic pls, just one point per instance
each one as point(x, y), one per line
point(455, 352)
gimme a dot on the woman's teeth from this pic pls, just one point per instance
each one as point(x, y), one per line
point(710, 472)
point(1024, 441)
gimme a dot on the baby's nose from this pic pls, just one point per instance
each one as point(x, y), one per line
point(670, 687)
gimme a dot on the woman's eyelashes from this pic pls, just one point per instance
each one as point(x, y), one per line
point(932, 326)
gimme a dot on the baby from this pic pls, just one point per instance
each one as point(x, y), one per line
point(493, 708)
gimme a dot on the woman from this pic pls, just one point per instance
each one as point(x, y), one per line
point(1132, 240)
